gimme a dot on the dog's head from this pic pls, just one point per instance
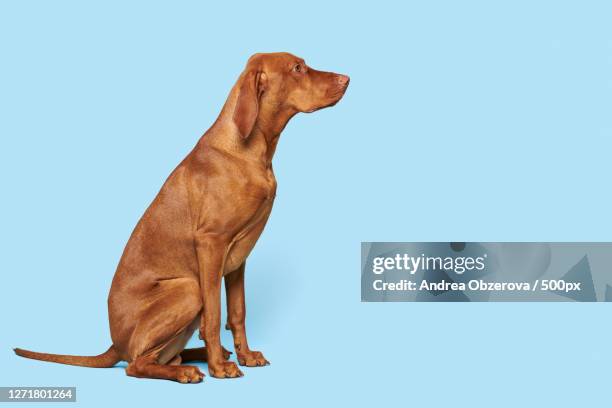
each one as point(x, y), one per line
point(283, 82)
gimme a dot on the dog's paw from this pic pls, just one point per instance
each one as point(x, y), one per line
point(189, 374)
point(225, 369)
point(252, 359)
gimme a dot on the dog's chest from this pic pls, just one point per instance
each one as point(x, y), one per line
point(245, 239)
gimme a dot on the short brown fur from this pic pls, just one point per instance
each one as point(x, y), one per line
point(201, 227)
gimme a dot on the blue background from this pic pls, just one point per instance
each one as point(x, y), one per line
point(472, 121)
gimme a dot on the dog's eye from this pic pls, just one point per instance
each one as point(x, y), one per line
point(297, 68)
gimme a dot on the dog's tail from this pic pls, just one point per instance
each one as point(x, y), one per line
point(104, 360)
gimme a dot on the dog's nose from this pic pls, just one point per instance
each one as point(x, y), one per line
point(343, 79)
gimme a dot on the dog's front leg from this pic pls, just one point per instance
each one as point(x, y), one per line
point(211, 250)
point(236, 314)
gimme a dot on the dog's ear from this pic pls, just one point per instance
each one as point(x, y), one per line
point(247, 105)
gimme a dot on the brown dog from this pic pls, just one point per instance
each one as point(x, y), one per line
point(201, 227)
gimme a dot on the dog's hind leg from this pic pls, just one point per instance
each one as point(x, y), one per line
point(164, 326)
point(146, 367)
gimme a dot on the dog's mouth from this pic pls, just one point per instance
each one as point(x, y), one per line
point(337, 92)
point(332, 97)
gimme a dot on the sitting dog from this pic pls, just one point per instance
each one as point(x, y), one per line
point(200, 229)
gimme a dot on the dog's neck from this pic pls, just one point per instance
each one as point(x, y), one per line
point(267, 130)
point(260, 145)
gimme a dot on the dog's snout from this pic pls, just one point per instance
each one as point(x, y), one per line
point(343, 80)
